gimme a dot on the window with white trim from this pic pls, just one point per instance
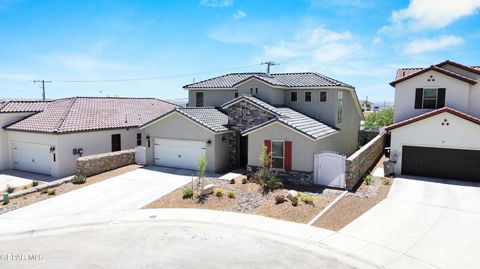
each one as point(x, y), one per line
point(430, 97)
point(277, 154)
point(308, 97)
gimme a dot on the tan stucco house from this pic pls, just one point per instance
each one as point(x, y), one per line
point(436, 130)
point(47, 137)
point(232, 117)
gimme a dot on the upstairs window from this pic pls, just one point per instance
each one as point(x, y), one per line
point(308, 97)
point(236, 94)
point(340, 108)
point(293, 97)
point(429, 98)
point(323, 97)
point(256, 90)
point(199, 99)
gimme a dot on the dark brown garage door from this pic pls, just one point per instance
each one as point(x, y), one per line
point(441, 163)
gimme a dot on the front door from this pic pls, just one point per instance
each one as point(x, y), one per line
point(116, 142)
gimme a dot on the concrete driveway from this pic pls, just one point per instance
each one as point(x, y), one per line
point(103, 201)
point(18, 179)
point(423, 223)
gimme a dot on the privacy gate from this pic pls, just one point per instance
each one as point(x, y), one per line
point(329, 169)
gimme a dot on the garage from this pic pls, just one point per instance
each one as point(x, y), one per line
point(178, 153)
point(441, 163)
point(30, 157)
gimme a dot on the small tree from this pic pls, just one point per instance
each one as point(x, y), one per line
point(266, 178)
point(201, 169)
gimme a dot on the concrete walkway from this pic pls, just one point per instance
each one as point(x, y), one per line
point(18, 179)
point(423, 223)
point(105, 200)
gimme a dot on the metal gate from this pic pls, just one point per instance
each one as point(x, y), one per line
point(329, 169)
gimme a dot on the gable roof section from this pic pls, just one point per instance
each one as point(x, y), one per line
point(79, 114)
point(433, 113)
point(19, 106)
point(287, 80)
point(472, 69)
point(433, 68)
point(252, 100)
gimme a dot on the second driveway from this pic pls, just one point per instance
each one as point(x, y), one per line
point(105, 200)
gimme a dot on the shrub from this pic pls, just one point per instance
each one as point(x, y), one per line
point(79, 179)
point(51, 192)
point(368, 179)
point(10, 189)
point(44, 191)
point(279, 199)
point(387, 181)
point(231, 195)
point(218, 192)
point(308, 199)
point(34, 183)
point(25, 187)
point(187, 193)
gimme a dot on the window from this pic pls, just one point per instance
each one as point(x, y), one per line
point(277, 154)
point(139, 139)
point(256, 90)
point(340, 108)
point(429, 98)
point(199, 99)
point(251, 90)
point(308, 97)
point(293, 97)
point(116, 142)
point(323, 97)
point(236, 94)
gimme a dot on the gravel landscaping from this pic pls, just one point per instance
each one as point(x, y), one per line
point(250, 199)
point(354, 204)
point(31, 198)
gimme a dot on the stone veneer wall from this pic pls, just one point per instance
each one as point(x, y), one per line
point(241, 116)
point(294, 177)
point(363, 160)
point(99, 163)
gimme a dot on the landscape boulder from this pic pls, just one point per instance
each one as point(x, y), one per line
point(208, 189)
point(292, 195)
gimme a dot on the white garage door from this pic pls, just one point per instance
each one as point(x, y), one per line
point(31, 157)
point(178, 153)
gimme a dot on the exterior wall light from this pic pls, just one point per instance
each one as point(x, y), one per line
point(148, 140)
point(209, 142)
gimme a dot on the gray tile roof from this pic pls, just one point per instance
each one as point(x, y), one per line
point(209, 117)
point(288, 80)
point(253, 100)
point(78, 114)
point(16, 106)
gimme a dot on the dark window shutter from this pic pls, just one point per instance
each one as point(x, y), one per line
point(288, 156)
point(441, 97)
point(268, 145)
point(418, 98)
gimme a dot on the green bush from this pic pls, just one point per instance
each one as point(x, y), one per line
point(387, 181)
point(231, 195)
point(368, 179)
point(34, 183)
point(187, 193)
point(308, 199)
point(44, 191)
point(51, 192)
point(218, 192)
point(10, 189)
point(382, 118)
point(79, 179)
point(279, 199)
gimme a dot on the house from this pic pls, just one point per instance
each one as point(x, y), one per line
point(231, 118)
point(436, 130)
point(366, 105)
point(47, 137)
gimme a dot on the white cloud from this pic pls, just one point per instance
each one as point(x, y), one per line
point(430, 14)
point(78, 62)
point(432, 44)
point(239, 15)
point(216, 3)
point(376, 40)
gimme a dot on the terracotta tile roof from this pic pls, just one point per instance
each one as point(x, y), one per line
point(79, 114)
point(288, 80)
point(435, 68)
point(433, 113)
point(15, 106)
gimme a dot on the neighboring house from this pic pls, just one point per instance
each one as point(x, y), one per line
point(232, 117)
point(366, 105)
point(436, 130)
point(47, 137)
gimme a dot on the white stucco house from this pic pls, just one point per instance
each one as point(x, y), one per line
point(47, 137)
point(436, 130)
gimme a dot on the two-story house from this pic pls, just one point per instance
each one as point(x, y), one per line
point(436, 131)
point(231, 119)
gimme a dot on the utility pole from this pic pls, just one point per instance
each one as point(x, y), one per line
point(270, 63)
point(43, 86)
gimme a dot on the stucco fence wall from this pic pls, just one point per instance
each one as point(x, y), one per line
point(360, 162)
point(99, 163)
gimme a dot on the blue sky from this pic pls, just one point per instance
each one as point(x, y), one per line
point(358, 42)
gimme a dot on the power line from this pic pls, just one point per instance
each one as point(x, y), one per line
point(43, 86)
point(157, 77)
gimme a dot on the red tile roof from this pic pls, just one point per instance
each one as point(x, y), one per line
point(433, 113)
point(15, 106)
point(79, 114)
point(412, 73)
